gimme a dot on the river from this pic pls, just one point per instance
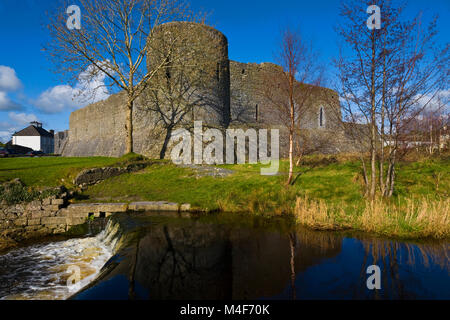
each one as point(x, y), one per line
point(223, 256)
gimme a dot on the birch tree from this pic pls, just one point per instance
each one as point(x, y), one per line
point(290, 92)
point(384, 75)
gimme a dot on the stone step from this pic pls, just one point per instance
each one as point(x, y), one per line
point(154, 206)
point(83, 209)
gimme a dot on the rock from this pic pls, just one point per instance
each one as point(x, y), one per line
point(34, 205)
point(34, 222)
point(59, 229)
point(57, 202)
point(21, 222)
point(185, 207)
point(96, 175)
point(154, 206)
point(7, 243)
point(73, 221)
point(112, 207)
point(37, 214)
point(92, 176)
point(53, 207)
point(48, 221)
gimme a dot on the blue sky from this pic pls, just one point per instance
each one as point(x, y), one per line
point(29, 90)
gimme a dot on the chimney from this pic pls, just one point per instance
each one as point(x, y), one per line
point(36, 124)
point(52, 132)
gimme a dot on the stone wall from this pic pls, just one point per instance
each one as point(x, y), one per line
point(53, 216)
point(35, 219)
point(98, 129)
point(60, 139)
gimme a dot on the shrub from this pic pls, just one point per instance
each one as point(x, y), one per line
point(15, 192)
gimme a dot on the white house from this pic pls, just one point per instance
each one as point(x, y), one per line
point(36, 138)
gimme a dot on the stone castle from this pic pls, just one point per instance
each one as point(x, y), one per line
point(222, 93)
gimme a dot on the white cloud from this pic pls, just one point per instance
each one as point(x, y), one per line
point(8, 79)
point(7, 104)
point(440, 102)
point(57, 99)
point(8, 82)
point(18, 121)
point(22, 119)
point(90, 88)
point(5, 136)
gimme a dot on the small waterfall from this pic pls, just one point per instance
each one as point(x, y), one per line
point(43, 271)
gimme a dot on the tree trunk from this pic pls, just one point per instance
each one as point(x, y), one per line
point(392, 174)
point(129, 127)
point(391, 187)
point(382, 140)
point(373, 181)
point(162, 154)
point(365, 176)
point(291, 158)
point(291, 129)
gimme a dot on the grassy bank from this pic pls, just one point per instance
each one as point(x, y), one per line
point(54, 171)
point(329, 189)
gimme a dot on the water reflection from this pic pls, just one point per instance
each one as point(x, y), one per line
point(223, 257)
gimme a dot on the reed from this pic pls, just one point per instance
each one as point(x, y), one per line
point(424, 218)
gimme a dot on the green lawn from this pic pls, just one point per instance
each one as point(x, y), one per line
point(48, 171)
point(245, 190)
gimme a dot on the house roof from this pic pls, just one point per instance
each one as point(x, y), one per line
point(33, 131)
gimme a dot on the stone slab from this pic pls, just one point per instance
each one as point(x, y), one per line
point(53, 220)
point(154, 206)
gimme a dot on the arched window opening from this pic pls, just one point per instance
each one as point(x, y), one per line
point(321, 118)
point(218, 71)
point(256, 113)
point(168, 65)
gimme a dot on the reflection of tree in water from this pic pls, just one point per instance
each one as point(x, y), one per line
point(390, 256)
point(185, 260)
point(293, 245)
point(178, 265)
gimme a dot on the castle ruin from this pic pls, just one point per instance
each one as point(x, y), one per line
point(222, 93)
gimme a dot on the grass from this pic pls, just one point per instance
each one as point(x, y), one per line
point(48, 171)
point(332, 186)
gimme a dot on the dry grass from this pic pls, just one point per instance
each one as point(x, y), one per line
point(318, 215)
point(414, 219)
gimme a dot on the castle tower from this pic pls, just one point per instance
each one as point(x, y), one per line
point(195, 71)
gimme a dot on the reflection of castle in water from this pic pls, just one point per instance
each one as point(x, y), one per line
point(221, 259)
point(195, 260)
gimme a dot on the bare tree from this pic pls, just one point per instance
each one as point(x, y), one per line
point(113, 41)
point(388, 73)
point(290, 92)
point(418, 75)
